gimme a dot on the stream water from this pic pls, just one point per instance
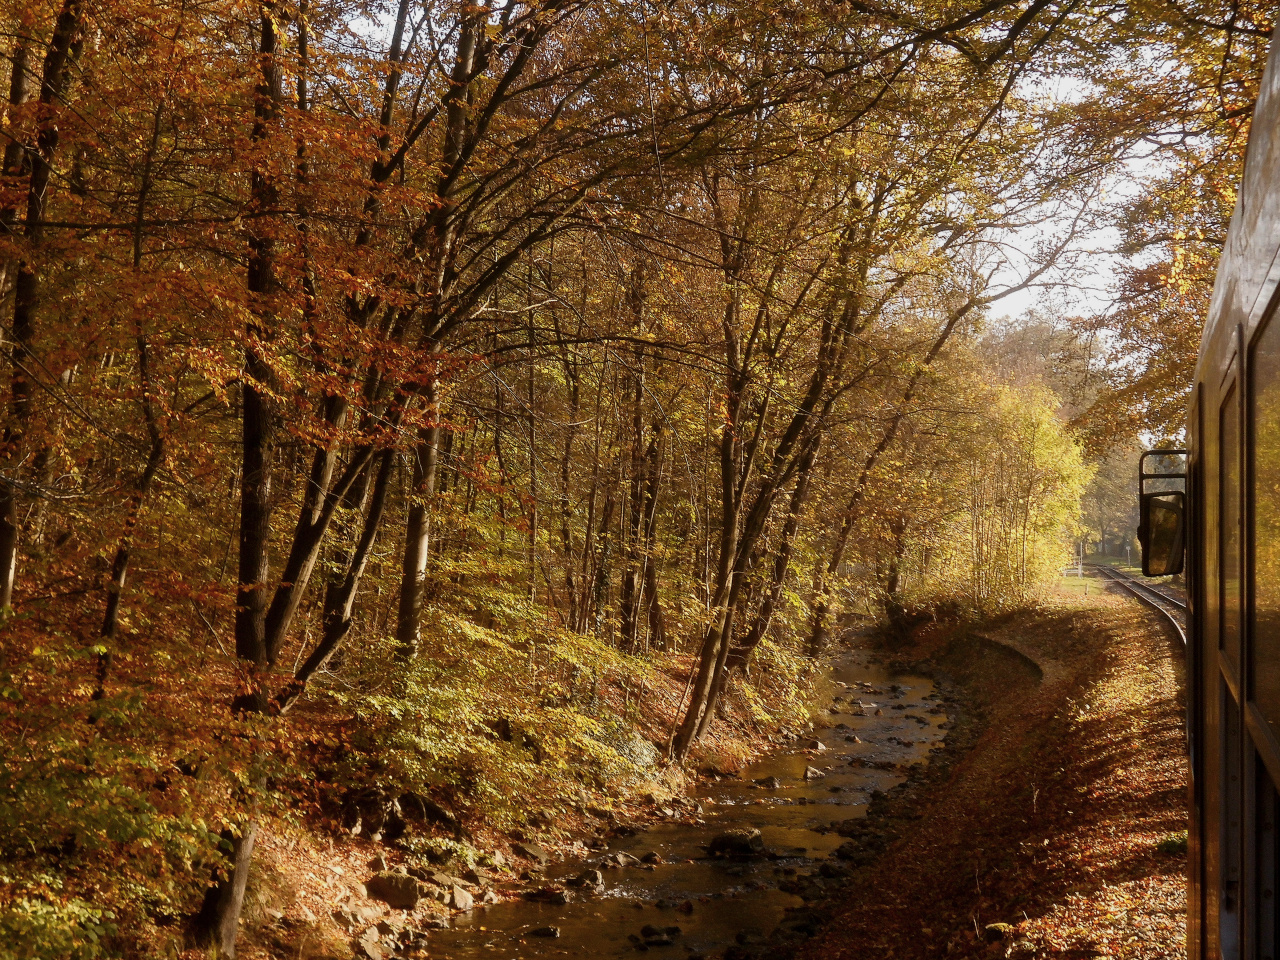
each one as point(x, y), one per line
point(716, 902)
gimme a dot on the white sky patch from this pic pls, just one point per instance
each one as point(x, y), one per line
point(1084, 281)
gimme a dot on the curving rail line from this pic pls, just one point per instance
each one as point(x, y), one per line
point(1172, 609)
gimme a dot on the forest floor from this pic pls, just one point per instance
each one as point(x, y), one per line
point(1057, 829)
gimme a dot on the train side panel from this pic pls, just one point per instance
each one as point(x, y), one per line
point(1234, 576)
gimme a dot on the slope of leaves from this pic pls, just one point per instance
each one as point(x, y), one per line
point(1062, 821)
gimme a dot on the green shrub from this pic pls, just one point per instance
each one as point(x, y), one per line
point(501, 705)
point(36, 928)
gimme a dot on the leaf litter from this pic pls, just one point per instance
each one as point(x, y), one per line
point(1061, 832)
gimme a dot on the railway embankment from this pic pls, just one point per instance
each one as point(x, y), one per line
point(1053, 825)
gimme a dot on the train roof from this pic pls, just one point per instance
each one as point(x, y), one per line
point(1249, 271)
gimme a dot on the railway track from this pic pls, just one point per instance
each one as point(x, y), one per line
point(1171, 608)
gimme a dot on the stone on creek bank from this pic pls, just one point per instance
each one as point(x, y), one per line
point(996, 932)
point(804, 887)
point(813, 773)
point(872, 764)
point(737, 843)
point(639, 751)
point(397, 890)
point(354, 917)
point(369, 947)
point(534, 851)
point(387, 939)
point(462, 899)
point(619, 860)
point(438, 877)
point(769, 783)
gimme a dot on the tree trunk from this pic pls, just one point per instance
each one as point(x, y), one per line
point(413, 571)
point(15, 156)
point(55, 78)
point(893, 607)
point(120, 566)
point(319, 501)
point(589, 570)
point(722, 599)
point(308, 536)
point(822, 604)
point(220, 918)
point(603, 568)
point(433, 243)
point(710, 679)
point(652, 487)
point(155, 457)
point(566, 515)
point(741, 654)
point(340, 596)
point(657, 622)
point(630, 595)
point(258, 427)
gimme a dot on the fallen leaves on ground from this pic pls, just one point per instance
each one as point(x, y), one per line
point(1058, 834)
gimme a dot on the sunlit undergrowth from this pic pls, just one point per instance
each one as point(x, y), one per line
point(492, 716)
point(110, 810)
point(777, 689)
point(510, 719)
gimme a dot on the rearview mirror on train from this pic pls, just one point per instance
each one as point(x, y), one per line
point(1162, 484)
point(1161, 532)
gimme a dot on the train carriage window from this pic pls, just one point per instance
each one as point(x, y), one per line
point(1230, 824)
point(1264, 646)
point(1266, 866)
point(1229, 527)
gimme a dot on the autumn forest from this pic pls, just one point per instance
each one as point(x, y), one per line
point(461, 400)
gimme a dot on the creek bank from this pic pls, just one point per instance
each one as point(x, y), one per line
point(967, 662)
point(890, 815)
point(687, 860)
point(746, 855)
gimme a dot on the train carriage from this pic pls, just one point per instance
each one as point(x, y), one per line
point(1231, 527)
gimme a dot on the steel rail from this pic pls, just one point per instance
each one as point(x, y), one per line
point(1143, 585)
point(1157, 600)
point(1168, 591)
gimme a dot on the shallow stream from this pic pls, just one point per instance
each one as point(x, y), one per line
point(717, 902)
